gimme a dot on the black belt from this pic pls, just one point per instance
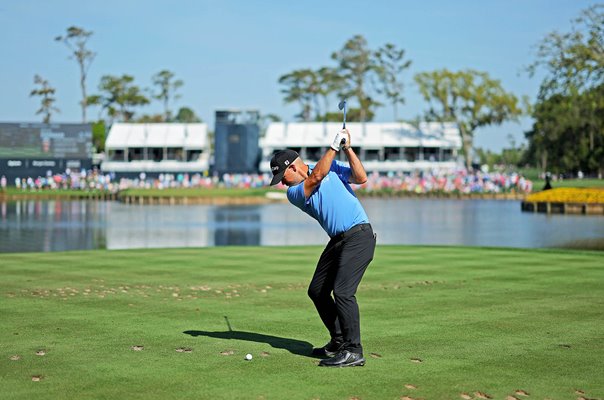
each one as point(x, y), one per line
point(354, 229)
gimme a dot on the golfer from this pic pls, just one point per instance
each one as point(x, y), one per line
point(323, 191)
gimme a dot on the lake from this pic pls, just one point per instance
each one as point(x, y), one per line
point(43, 225)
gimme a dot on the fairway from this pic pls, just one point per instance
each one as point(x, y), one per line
point(437, 323)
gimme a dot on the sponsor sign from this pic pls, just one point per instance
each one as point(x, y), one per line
point(39, 141)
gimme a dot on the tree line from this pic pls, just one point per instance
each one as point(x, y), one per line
point(568, 130)
point(471, 99)
point(118, 96)
point(567, 134)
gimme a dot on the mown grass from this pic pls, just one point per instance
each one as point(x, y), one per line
point(197, 192)
point(210, 193)
point(169, 192)
point(447, 320)
point(15, 193)
point(570, 183)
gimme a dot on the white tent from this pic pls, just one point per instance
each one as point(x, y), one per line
point(163, 147)
point(382, 147)
point(124, 135)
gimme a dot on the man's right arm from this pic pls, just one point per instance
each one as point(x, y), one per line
point(323, 167)
point(319, 172)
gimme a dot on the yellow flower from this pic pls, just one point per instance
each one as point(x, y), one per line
point(568, 195)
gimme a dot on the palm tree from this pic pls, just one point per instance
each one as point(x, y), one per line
point(47, 100)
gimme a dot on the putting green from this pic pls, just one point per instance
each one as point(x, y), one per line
point(437, 322)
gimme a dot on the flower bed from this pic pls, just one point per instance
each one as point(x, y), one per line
point(568, 195)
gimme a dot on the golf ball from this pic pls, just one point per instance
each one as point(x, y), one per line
point(248, 356)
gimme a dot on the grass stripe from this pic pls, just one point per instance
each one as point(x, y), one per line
point(480, 319)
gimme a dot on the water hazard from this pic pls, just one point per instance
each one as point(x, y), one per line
point(42, 225)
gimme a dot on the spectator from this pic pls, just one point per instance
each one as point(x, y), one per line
point(457, 181)
point(548, 183)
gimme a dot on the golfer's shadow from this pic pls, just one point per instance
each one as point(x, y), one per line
point(294, 346)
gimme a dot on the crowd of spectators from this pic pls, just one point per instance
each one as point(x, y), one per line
point(459, 181)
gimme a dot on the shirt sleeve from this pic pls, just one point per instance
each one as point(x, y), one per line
point(342, 170)
point(295, 195)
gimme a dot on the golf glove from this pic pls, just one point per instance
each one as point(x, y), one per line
point(337, 141)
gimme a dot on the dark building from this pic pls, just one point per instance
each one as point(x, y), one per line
point(236, 226)
point(236, 137)
point(36, 149)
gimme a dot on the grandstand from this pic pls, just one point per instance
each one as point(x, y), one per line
point(156, 148)
point(382, 147)
point(175, 148)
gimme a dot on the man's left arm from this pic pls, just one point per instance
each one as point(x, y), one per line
point(358, 174)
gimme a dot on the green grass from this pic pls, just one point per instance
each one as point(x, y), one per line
point(50, 193)
point(197, 192)
point(531, 173)
point(480, 319)
point(538, 183)
point(249, 192)
point(570, 183)
point(172, 192)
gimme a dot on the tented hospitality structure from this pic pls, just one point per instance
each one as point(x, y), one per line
point(157, 148)
point(382, 147)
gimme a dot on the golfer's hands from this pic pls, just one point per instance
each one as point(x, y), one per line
point(337, 141)
point(346, 144)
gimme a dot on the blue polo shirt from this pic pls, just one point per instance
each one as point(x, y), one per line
point(333, 203)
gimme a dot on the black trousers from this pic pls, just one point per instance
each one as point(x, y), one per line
point(339, 272)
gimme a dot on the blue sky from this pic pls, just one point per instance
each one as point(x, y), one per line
point(230, 53)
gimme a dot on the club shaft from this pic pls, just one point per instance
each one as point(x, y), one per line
point(228, 323)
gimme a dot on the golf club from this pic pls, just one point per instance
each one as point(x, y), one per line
point(228, 323)
point(342, 106)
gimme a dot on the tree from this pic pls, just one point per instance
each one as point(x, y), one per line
point(574, 61)
point(352, 114)
point(119, 96)
point(264, 120)
point(186, 115)
point(559, 139)
point(329, 82)
point(487, 157)
point(150, 119)
point(164, 80)
point(96, 100)
point(301, 86)
point(390, 64)
point(46, 93)
point(513, 155)
point(469, 98)
point(568, 113)
point(98, 136)
point(76, 39)
point(355, 65)
point(307, 86)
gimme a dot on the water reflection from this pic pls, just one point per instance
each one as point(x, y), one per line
point(51, 226)
point(476, 223)
point(72, 225)
point(139, 226)
point(238, 226)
